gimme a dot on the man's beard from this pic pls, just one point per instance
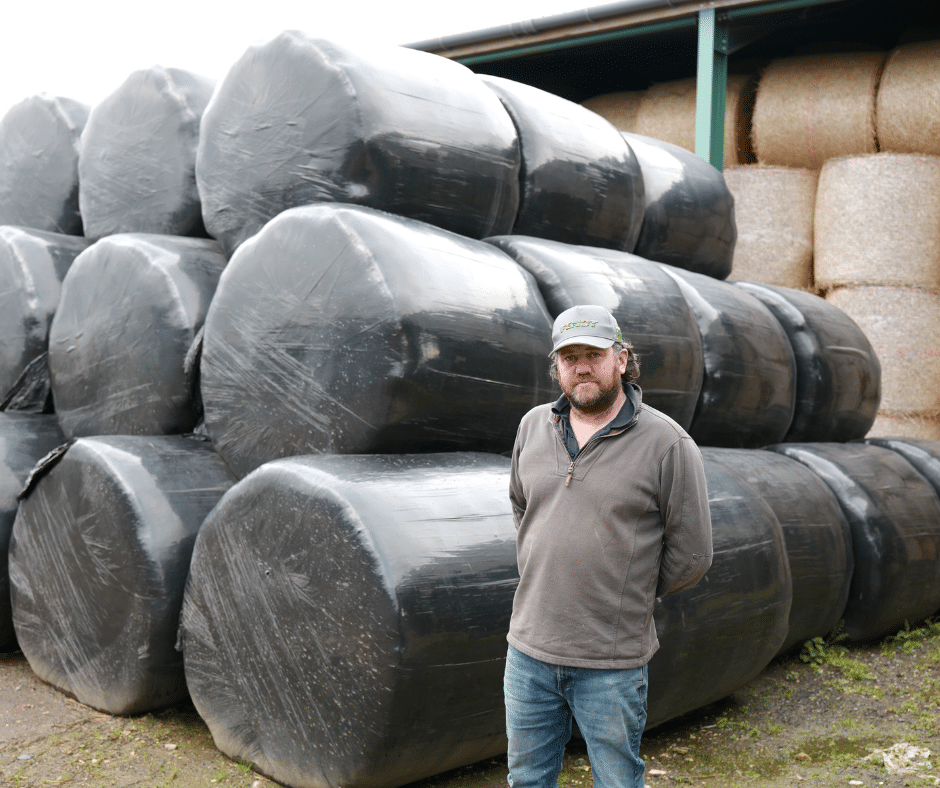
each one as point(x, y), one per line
point(597, 402)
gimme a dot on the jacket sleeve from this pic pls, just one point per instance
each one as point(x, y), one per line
point(687, 525)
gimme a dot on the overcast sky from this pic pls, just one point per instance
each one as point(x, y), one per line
point(84, 49)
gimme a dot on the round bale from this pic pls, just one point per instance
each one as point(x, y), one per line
point(909, 100)
point(618, 108)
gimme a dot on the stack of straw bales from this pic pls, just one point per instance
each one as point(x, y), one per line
point(908, 116)
point(619, 108)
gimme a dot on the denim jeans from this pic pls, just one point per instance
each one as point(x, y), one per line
point(609, 707)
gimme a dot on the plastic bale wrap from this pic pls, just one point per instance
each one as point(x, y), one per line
point(344, 330)
point(39, 142)
point(773, 213)
point(131, 306)
point(299, 120)
point(580, 182)
point(32, 266)
point(908, 104)
point(894, 514)
point(720, 634)
point(838, 373)
point(649, 307)
point(618, 108)
point(906, 426)
point(137, 163)
point(817, 536)
point(878, 222)
point(386, 583)
point(901, 324)
point(811, 108)
point(98, 565)
point(748, 388)
point(667, 112)
point(689, 215)
point(24, 440)
point(922, 453)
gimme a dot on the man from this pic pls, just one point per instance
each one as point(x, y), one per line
point(611, 511)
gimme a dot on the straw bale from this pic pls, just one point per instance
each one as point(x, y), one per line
point(908, 106)
point(667, 113)
point(812, 108)
point(903, 326)
point(773, 211)
point(878, 221)
point(618, 108)
point(889, 425)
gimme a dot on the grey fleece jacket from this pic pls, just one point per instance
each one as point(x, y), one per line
point(600, 537)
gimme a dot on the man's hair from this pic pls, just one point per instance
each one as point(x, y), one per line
point(631, 375)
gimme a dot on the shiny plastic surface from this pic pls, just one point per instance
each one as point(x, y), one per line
point(344, 330)
point(922, 453)
point(749, 384)
point(32, 266)
point(895, 519)
point(647, 302)
point(838, 374)
point(817, 536)
point(98, 564)
point(384, 588)
point(689, 216)
point(39, 143)
point(718, 635)
point(580, 182)
point(137, 164)
point(130, 308)
point(24, 440)
point(299, 120)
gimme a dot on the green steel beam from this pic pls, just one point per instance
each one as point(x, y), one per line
point(711, 87)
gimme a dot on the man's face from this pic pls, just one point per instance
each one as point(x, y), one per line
point(590, 377)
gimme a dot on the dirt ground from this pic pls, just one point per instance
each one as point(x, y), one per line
point(870, 717)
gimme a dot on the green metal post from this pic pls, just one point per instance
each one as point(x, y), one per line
point(711, 87)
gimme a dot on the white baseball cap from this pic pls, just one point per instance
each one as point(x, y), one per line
point(585, 324)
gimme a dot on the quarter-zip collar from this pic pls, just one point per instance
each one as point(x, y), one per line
point(561, 411)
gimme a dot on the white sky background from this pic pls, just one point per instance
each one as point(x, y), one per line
point(85, 50)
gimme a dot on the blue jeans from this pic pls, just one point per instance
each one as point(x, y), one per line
point(609, 707)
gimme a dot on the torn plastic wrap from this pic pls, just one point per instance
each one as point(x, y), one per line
point(32, 266)
point(649, 307)
point(580, 182)
point(719, 635)
point(749, 382)
point(137, 163)
point(130, 309)
point(386, 585)
point(689, 216)
point(24, 440)
point(817, 536)
point(895, 519)
point(344, 330)
point(98, 565)
point(39, 142)
point(299, 120)
point(838, 375)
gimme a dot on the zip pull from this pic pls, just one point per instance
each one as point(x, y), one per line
point(570, 471)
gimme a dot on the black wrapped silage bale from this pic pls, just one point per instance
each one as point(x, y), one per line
point(24, 440)
point(33, 264)
point(137, 162)
point(894, 515)
point(580, 182)
point(838, 374)
point(343, 330)
point(39, 144)
point(817, 536)
point(384, 586)
point(98, 565)
point(689, 216)
point(749, 382)
point(649, 307)
point(922, 453)
point(131, 306)
point(299, 120)
point(719, 635)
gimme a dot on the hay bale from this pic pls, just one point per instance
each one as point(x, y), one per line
point(667, 112)
point(811, 108)
point(773, 212)
point(901, 324)
point(877, 222)
point(906, 425)
point(908, 103)
point(618, 108)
